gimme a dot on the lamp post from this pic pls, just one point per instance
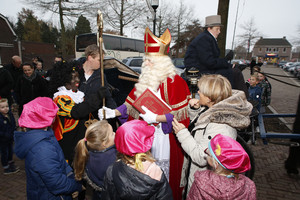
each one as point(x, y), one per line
point(154, 5)
point(133, 30)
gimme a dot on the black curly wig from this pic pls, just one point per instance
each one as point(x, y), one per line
point(61, 75)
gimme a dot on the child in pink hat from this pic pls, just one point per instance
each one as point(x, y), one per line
point(228, 159)
point(48, 174)
point(135, 174)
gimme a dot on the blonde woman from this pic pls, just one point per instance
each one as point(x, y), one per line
point(94, 153)
point(219, 110)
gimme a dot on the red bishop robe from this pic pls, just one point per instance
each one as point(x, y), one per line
point(177, 94)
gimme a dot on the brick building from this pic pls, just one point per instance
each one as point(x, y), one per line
point(10, 46)
point(8, 41)
point(272, 50)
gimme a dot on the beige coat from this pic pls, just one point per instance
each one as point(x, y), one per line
point(222, 118)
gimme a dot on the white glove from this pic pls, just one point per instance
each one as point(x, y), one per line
point(109, 113)
point(149, 116)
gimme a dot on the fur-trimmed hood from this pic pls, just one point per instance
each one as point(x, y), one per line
point(233, 111)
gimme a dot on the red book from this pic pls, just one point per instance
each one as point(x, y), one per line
point(151, 101)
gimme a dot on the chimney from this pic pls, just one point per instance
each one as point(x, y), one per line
point(284, 37)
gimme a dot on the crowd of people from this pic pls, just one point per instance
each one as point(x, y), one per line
point(259, 89)
point(189, 153)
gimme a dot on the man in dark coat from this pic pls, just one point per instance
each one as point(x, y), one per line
point(90, 82)
point(15, 71)
point(15, 68)
point(90, 75)
point(252, 64)
point(6, 84)
point(29, 86)
point(203, 52)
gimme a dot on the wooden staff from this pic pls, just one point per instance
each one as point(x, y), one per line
point(100, 43)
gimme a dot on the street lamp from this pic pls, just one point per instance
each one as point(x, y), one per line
point(154, 5)
point(133, 29)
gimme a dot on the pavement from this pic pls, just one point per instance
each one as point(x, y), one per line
point(272, 181)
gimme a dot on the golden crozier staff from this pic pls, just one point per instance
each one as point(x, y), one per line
point(100, 43)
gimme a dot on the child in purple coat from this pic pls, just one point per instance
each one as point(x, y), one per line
point(228, 160)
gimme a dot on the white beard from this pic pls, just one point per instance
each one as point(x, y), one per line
point(152, 77)
point(148, 79)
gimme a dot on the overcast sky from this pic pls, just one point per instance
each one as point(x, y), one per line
point(274, 19)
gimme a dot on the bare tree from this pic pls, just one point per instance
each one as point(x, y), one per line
point(65, 9)
point(192, 31)
point(121, 13)
point(175, 18)
point(250, 35)
point(166, 17)
point(296, 41)
point(182, 16)
point(240, 52)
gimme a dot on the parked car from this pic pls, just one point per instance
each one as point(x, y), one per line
point(298, 74)
point(180, 71)
point(178, 62)
point(296, 71)
point(136, 69)
point(292, 67)
point(281, 63)
point(287, 65)
point(133, 61)
point(241, 64)
point(247, 62)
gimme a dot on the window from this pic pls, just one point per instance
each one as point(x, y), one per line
point(116, 46)
point(140, 47)
point(136, 62)
point(127, 44)
point(284, 49)
point(111, 43)
point(85, 40)
point(259, 49)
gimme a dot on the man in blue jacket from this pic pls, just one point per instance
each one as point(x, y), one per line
point(203, 52)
